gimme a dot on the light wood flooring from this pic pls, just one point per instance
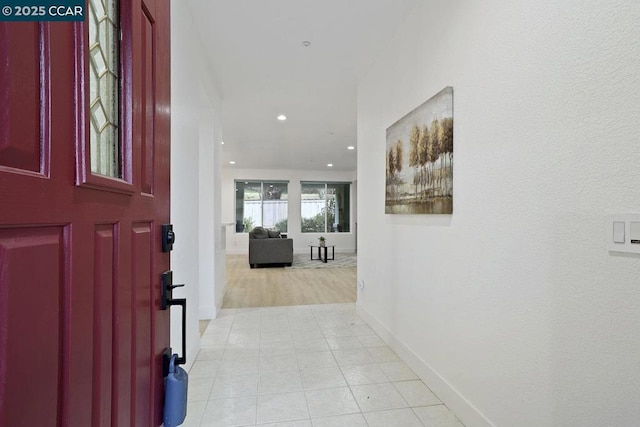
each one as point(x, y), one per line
point(278, 286)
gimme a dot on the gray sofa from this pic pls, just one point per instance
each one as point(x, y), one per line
point(268, 247)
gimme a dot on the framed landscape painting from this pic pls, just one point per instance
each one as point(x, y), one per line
point(419, 160)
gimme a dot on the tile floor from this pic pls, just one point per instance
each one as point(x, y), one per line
point(304, 366)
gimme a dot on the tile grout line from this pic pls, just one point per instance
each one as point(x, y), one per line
point(258, 380)
point(304, 392)
point(315, 315)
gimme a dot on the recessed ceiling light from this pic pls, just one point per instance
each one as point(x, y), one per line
point(351, 147)
point(232, 162)
point(306, 43)
point(222, 142)
point(330, 165)
point(282, 117)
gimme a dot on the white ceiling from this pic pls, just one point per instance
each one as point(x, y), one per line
point(263, 70)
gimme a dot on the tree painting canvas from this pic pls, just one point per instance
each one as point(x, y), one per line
point(419, 159)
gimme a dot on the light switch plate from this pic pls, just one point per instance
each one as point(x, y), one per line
point(634, 233)
point(623, 233)
point(618, 231)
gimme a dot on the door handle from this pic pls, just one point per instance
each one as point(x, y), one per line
point(183, 303)
point(168, 301)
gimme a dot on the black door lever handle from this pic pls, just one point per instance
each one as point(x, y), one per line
point(182, 302)
point(167, 301)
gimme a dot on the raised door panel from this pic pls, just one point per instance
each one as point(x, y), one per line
point(103, 318)
point(23, 95)
point(33, 285)
point(122, 400)
point(141, 268)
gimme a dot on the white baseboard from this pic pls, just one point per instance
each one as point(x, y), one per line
point(464, 410)
point(207, 312)
point(237, 251)
point(220, 299)
point(301, 250)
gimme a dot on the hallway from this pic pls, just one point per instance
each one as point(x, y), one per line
point(314, 365)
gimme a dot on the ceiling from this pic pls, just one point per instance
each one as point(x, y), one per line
point(262, 70)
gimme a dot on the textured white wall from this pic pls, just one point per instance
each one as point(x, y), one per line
point(239, 242)
point(195, 183)
point(512, 308)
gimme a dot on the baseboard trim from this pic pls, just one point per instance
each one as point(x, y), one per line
point(237, 252)
point(465, 410)
point(220, 299)
point(210, 312)
point(207, 312)
point(304, 250)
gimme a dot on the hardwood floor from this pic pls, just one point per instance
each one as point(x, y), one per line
point(277, 286)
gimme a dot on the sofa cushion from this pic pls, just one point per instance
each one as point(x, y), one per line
point(259, 233)
point(274, 234)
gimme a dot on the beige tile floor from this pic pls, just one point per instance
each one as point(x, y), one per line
point(303, 366)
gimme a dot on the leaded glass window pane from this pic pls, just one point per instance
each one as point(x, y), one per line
point(104, 84)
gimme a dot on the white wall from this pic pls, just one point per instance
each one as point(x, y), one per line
point(511, 308)
point(238, 243)
point(195, 181)
point(211, 250)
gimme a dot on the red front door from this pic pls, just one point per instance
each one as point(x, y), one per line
point(81, 328)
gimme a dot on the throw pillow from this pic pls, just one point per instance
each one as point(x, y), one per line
point(274, 234)
point(259, 233)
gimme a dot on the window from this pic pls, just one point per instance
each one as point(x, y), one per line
point(104, 84)
point(325, 207)
point(261, 203)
